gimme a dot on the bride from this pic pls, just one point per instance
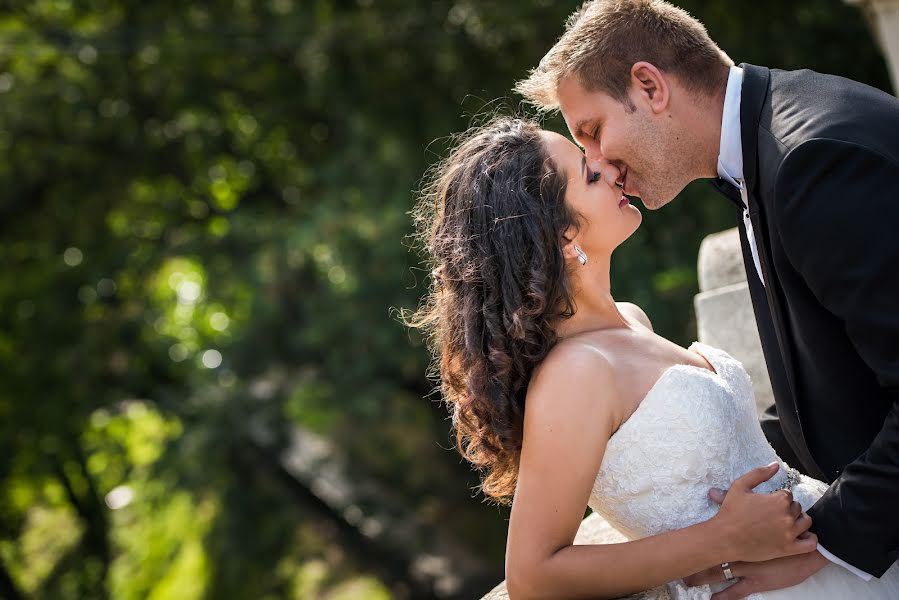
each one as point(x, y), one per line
point(565, 398)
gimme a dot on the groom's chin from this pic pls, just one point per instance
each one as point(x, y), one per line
point(657, 201)
point(654, 203)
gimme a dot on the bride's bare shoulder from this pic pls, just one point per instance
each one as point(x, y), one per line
point(575, 371)
point(575, 355)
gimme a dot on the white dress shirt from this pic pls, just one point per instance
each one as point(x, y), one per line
point(730, 155)
point(730, 168)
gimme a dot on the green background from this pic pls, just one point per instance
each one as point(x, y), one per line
point(204, 235)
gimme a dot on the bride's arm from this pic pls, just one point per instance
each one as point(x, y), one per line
point(573, 406)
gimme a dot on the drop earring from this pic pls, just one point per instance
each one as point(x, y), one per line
point(581, 255)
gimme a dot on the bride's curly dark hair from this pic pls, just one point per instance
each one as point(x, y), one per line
point(491, 218)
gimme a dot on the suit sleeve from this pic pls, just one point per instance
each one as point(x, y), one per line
point(770, 423)
point(837, 206)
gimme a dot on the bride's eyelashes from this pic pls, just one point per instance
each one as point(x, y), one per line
point(593, 177)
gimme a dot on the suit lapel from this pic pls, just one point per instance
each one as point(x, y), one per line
point(755, 90)
point(756, 81)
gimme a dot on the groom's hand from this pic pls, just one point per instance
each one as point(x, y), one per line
point(754, 577)
point(762, 526)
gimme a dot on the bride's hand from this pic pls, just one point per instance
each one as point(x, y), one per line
point(761, 527)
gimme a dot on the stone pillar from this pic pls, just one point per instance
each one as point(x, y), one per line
point(883, 20)
point(724, 316)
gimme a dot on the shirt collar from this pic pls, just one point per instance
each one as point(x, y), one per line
point(730, 154)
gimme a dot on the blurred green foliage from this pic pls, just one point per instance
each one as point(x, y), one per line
point(203, 209)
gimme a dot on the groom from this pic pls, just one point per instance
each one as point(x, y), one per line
point(811, 163)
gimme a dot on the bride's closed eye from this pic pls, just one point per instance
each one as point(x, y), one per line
point(593, 177)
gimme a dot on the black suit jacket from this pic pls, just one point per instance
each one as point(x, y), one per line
point(821, 164)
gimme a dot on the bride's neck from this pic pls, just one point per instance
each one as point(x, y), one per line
point(594, 305)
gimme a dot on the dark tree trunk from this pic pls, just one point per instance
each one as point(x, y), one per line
point(92, 511)
point(8, 589)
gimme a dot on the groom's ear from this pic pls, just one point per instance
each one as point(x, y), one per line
point(650, 86)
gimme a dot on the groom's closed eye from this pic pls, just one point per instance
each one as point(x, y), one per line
point(590, 136)
point(582, 131)
point(589, 129)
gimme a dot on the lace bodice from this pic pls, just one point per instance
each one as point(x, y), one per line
point(694, 430)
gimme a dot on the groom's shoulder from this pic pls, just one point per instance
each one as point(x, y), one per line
point(826, 92)
point(805, 104)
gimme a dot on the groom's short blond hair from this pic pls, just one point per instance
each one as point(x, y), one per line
point(604, 38)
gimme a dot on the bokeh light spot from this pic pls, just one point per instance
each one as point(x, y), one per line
point(106, 287)
point(336, 275)
point(178, 352)
point(247, 124)
point(6, 82)
point(189, 292)
point(72, 257)
point(87, 55)
point(119, 497)
point(212, 359)
point(219, 321)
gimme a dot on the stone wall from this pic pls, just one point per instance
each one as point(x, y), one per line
point(883, 21)
point(724, 316)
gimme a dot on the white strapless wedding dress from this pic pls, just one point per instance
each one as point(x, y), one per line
point(695, 430)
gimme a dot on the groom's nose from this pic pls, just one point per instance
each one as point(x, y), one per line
point(610, 172)
point(593, 151)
